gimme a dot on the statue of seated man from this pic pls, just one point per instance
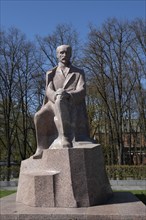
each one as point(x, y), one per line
point(62, 120)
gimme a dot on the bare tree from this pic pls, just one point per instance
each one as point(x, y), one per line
point(63, 34)
point(17, 95)
point(109, 61)
point(10, 57)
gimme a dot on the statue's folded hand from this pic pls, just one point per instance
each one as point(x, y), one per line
point(62, 94)
point(60, 91)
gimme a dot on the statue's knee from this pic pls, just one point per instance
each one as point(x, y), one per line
point(41, 114)
point(36, 116)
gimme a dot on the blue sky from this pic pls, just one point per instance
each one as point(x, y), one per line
point(41, 16)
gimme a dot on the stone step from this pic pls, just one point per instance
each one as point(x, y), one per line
point(37, 188)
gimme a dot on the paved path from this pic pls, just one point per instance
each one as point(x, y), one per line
point(128, 184)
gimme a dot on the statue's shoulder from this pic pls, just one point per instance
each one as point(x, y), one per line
point(77, 69)
point(50, 72)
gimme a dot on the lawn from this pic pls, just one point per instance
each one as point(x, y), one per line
point(140, 194)
point(4, 193)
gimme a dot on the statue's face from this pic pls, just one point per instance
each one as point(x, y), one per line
point(63, 54)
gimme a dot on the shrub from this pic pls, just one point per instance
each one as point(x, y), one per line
point(126, 171)
point(14, 172)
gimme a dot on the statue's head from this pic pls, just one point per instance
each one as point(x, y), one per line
point(64, 53)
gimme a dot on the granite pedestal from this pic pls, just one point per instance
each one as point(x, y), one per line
point(67, 177)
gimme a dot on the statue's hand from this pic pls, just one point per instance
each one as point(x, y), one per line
point(60, 91)
point(62, 94)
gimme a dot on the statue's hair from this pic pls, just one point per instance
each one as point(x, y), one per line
point(64, 45)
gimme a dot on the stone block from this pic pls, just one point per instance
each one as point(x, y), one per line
point(36, 188)
point(78, 178)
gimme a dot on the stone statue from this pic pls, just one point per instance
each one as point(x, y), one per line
point(62, 120)
point(71, 172)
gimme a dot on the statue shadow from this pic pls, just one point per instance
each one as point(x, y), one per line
point(122, 197)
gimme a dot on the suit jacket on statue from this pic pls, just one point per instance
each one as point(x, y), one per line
point(74, 84)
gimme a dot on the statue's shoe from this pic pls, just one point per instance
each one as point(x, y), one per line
point(38, 154)
point(61, 142)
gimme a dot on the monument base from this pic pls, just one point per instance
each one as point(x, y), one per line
point(122, 206)
point(67, 177)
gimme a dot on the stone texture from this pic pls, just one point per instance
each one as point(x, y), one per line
point(76, 178)
point(90, 183)
point(37, 185)
point(122, 206)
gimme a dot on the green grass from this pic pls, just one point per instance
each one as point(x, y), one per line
point(140, 194)
point(4, 193)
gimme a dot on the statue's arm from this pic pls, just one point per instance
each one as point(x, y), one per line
point(46, 98)
point(49, 89)
point(50, 92)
